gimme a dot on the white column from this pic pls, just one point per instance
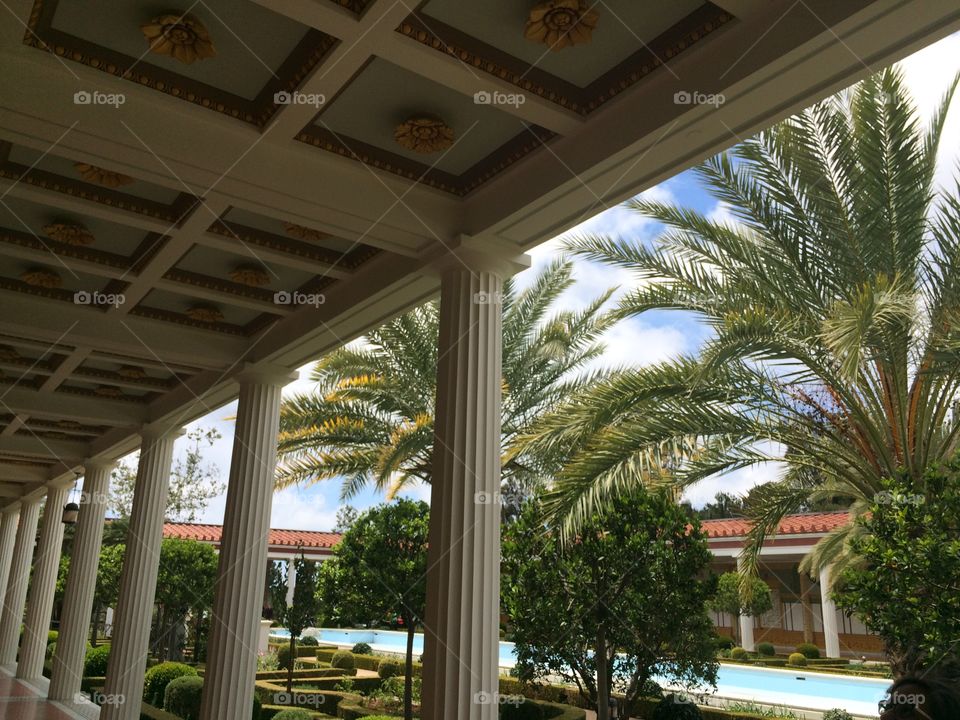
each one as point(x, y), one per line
point(138, 580)
point(16, 593)
point(746, 622)
point(42, 587)
point(238, 594)
point(67, 663)
point(831, 636)
point(291, 580)
point(460, 671)
point(8, 533)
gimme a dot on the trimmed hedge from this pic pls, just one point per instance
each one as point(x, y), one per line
point(305, 673)
point(182, 697)
point(766, 649)
point(738, 653)
point(343, 659)
point(389, 668)
point(95, 661)
point(361, 648)
point(808, 650)
point(673, 707)
point(159, 676)
point(797, 659)
point(363, 662)
point(293, 714)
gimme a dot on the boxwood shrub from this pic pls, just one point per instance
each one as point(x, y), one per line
point(808, 650)
point(159, 676)
point(344, 660)
point(361, 648)
point(676, 707)
point(293, 714)
point(308, 641)
point(182, 697)
point(95, 662)
point(798, 659)
point(723, 642)
point(766, 649)
point(389, 668)
point(738, 653)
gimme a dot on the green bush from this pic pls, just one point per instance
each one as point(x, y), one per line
point(798, 659)
point(361, 648)
point(182, 697)
point(257, 708)
point(283, 657)
point(293, 714)
point(808, 650)
point(308, 641)
point(766, 649)
point(159, 676)
point(723, 642)
point(344, 660)
point(738, 653)
point(676, 707)
point(95, 662)
point(837, 714)
point(51, 649)
point(52, 636)
point(526, 710)
point(389, 668)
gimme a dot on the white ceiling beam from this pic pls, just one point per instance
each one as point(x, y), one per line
point(41, 447)
point(269, 256)
point(67, 406)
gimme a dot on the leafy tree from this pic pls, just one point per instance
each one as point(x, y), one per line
point(907, 587)
point(303, 613)
point(622, 602)
point(193, 482)
point(380, 568)
point(107, 589)
point(831, 293)
point(188, 570)
point(741, 595)
point(346, 516)
point(370, 419)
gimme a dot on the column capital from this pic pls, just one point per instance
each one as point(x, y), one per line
point(92, 464)
point(265, 374)
point(13, 507)
point(478, 254)
point(158, 430)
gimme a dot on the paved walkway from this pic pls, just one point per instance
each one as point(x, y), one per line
point(20, 700)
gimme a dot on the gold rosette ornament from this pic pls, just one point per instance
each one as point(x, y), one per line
point(303, 233)
point(250, 275)
point(182, 37)
point(39, 277)
point(100, 176)
point(424, 134)
point(69, 233)
point(561, 23)
point(205, 313)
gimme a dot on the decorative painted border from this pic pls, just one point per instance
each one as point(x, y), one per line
point(450, 41)
point(153, 313)
point(191, 279)
point(305, 56)
point(87, 254)
point(146, 383)
point(510, 152)
point(144, 399)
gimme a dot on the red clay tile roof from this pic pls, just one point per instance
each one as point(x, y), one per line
point(211, 533)
point(804, 524)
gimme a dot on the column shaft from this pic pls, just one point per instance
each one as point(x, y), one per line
point(746, 623)
point(806, 608)
point(8, 534)
point(81, 583)
point(44, 584)
point(138, 580)
point(460, 672)
point(831, 637)
point(238, 598)
point(16, 594)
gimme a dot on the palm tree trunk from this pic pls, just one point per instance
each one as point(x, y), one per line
point(408, 677)
point(603, 676)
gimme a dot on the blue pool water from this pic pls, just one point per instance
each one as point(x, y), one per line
point(791, 688)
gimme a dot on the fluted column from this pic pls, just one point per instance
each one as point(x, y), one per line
point(16, 593)
point(238, 593)
point(8, 535)
point(138, 580)
point(746, 621)
point(81, 583)
point(831, 636)
point(460, 670)
point(42, 587)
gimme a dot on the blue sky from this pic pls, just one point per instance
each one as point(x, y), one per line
point(654, 337)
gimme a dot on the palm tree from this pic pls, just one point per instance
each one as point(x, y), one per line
point(370, 418)
point(834, 303)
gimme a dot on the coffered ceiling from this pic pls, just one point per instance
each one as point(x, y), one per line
point(184, 194)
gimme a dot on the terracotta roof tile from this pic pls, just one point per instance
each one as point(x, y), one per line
point(211, 533)
point(803, 524)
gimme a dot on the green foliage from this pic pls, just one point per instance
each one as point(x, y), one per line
point(361, 648)
point(907, 590)
point(837, 714)
point(830, 294)
point(566, 599)
point(526, 710)
point(723, 642)
point(308, 641)
point(676, 707)
point(186, 577)
point(52, 636)
point(389, 668)
point(284, 657)
point(808, 650)
point(156, 679)
point(292, 714)
point(741, 595)
point(766, 649)
point(798, 659)
point(370, 419)
point(95, 661)
point(344, 660)
point(738, 653)
point(182, 697)
point(257, 708)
